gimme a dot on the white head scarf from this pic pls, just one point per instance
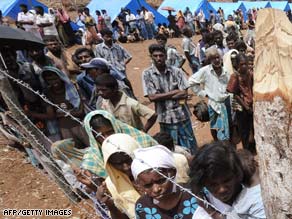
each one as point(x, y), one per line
point(153, 157)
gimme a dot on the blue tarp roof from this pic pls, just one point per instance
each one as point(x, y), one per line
point(283, 5)
point(229, 7)
point(257, 4)
point(194, 5)
point(11, 8)
point(113, 8)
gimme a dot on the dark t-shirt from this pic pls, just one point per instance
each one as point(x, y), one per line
point(145, 208)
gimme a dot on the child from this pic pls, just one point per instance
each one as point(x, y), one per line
point(217, 175)
point(240, 84)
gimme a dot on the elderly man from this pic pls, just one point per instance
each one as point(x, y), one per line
point(167, 86)
point(214, 79)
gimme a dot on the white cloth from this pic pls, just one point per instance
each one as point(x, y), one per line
point(200, 213)
point(29, 16)
point(248, 204)
point(214, 86)
point(188, 46)
point(46, 18)
point(153, 157)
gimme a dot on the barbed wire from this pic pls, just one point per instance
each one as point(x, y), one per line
point(68, 114)
point(56, 166)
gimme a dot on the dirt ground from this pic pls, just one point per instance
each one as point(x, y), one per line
point(24, 187)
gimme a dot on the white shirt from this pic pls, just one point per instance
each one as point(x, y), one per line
point(46, 18)
point(130, 17)
point(188, 46)
point(149, 17)
point(26, 17)
point(248, 204)
point(214, 86)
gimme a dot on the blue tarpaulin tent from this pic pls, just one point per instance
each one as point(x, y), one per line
point(194, 5)
point(113, 8)
point(229, 7)
point(283, 5)
point(11, 8)
point(256, 4)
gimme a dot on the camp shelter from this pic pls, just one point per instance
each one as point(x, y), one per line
point(282, 5)
point(256, 4)
point(229, 7)
point(113, 8)
point(194, 5)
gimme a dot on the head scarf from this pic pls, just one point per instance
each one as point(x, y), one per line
point(118, 183)
point(227, 61)
point(153, 157)
point(93, 158)
point(71, 92)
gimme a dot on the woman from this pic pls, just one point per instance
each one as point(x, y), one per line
point(162, 198)
point(64, 27)
point(117, 152)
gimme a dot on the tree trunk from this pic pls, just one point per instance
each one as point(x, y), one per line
point(273, 111)
point(34, 136)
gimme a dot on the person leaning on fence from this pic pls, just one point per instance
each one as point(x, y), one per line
point(218, 176)
point(214, 77)
point(162, 198)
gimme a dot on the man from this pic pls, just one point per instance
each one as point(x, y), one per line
point(45, 22)
point(189, 49)
point(211, 81)
point(173, 57)
point(61, 57)
point(218, 37)
point(116, 55)
point(27, 20)
point(167, 86)
point(149, 20)
point(107, 19)
point(124, 108)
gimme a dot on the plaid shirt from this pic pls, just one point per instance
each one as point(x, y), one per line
point(115, 55)
point(93, 158)
point(169, 111)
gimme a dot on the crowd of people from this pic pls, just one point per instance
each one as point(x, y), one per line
point(112, 156)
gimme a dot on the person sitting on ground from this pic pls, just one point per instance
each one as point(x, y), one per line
point(162, 198)
point(182, 158)
point(124, 108)
point(217, 174)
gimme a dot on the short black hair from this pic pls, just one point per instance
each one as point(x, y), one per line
point(106, 31)
point(107, 80)
point(217, 32)
point(156, 47)
point(23, 6)
point(84, 49)
point(214, 160)
point(240, 44)
point(161, 37)
point(49, 38)
point(164, 139)
point(232, 36)
point(39, 7)
point(99, 121)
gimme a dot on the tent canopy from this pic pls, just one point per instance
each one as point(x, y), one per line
point(257, 4)
point(194, 5)
point(283, 5)
point(11, 8)
point(113, 8)
point(229, 7)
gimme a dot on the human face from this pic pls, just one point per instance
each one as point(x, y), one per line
point(108, 39)
point(216, 61)
point(231, 44)
point(94, 72)
point(36, 54)
point(224, 188)
point(155, 185)
point(161, 42)
point(122, 162)
point(9, 57)
point(54, 82)
point(104, 92)
point(242, 67)
point(250, 65)
point(158, 58)
point(54, 46)
point(103, 132)
point(84, 57)
point(218, 39)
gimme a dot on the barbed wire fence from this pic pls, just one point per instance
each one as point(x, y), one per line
point(102, 210)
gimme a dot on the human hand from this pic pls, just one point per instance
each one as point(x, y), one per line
point(102, 194)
